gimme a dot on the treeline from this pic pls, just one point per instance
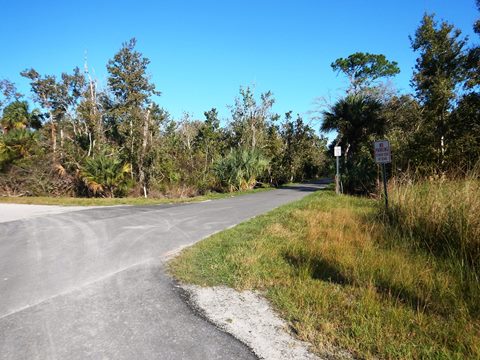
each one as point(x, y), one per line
point(87, 141)
point(433, 132)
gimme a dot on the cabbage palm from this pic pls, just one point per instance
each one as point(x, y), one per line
point(240, 169)
point(15, 145)
point(17, 116)
point(356, 118)
point(106, 175)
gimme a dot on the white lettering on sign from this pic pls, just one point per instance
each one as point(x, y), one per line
point(383, 154)
point(337, 151)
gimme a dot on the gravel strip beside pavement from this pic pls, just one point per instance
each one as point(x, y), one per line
point(248, 317)
point(13, 212)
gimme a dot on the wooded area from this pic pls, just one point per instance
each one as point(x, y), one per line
point(85, 139)
point(433, 132)
point(91, 142)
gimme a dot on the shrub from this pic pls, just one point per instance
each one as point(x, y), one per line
point(16, 145)
point(106, 176)
point(239, 169)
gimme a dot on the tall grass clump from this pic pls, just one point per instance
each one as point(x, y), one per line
point(442, 216)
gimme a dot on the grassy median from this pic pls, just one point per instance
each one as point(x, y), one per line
point(341, 276)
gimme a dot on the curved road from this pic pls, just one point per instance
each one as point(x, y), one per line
point(91, 284)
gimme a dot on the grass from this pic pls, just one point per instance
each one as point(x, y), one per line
point(441, 216)
point(341, 277)
point(73, 201)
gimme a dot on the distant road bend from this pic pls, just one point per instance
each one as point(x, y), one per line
point(91, 284)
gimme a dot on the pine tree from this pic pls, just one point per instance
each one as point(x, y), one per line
point(439, 72)
point(131, 107)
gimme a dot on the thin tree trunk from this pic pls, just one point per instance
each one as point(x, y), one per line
point(442, 141)
point(90, 144)
point(132, 140)
point(254, 134)
point(442, 148)
point(141, 170)
point(206, 164)
point(97, 125)
point(53, 133)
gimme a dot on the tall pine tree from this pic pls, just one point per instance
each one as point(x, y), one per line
point(132, 104)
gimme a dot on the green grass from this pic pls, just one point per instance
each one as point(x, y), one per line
point(339, 276)
point(72, 201)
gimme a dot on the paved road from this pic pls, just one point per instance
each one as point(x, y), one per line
point(91, 284)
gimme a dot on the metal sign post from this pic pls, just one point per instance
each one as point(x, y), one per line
point(384, 171)
point(337, 151)
point(383, 155)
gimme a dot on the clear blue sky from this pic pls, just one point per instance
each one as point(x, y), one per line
point(201, 52)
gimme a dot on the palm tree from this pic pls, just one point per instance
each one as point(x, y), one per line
point(106, 175)
point(356, 118)
point(15, 145)
point(17, 116)
point(240, 168)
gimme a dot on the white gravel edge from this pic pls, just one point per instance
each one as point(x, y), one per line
point(249, 318)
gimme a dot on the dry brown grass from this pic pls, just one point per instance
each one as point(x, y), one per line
point(343, 279)
point(441, 217)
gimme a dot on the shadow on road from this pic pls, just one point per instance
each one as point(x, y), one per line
point(309, 186)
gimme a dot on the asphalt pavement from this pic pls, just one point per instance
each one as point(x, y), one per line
point(91, 284)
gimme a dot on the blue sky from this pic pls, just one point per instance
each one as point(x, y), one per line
point(201, 52)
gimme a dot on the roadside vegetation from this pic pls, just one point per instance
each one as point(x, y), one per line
point(441, 216)
point(78, 137)
point(97, 201)
point(345, 274)
point(91, 140)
